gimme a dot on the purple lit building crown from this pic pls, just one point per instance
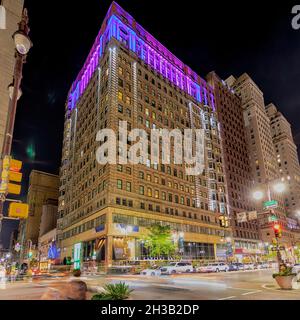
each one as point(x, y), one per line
point(120, 25)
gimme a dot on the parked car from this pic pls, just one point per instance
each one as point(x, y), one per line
point(216, 267)
point(2, 273)
point(202, 268)
point(262, 265)
point(177, 267)
point(296, 268)
point(151, 272)
point(233, 267)
point(249, 266)
point(239, 265)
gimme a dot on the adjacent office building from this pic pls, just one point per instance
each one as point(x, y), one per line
point(13, 10)
point(238, 169)
point(263, 159)
point(287, 158)
point(105, 210)
point(42, 195)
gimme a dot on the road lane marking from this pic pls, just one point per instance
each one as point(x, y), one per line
point(227, 298)
point(251, 292)
point(245, 289)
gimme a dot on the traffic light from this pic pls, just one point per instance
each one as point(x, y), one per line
point(277, 230)
point(18, 210)
point(224, 221)
point(11, 176)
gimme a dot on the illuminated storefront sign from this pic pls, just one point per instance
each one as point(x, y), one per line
point(125, 229)
point(77, 255)
point(100, 228)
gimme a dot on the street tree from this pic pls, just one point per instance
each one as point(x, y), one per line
point(159, 241)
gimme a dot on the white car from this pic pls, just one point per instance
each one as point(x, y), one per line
point(249, 266)
point(203, 268)
point(176, 267)
point(262, 265)
point(151, 272)
point(218, 267)
point(296, 268)
point(214, 267)
point(2, 273)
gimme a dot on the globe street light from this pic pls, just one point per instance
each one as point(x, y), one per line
point(279, 187)
point(258, 195)
point(22, 42)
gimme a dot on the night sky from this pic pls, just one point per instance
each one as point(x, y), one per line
point(230, 38)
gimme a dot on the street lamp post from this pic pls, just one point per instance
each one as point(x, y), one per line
point(258, 195)
point(23, 45)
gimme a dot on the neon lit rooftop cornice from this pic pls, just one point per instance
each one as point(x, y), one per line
point(120, 25)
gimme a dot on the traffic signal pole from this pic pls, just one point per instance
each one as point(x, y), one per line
point(279, 259)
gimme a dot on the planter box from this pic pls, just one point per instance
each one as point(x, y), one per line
point(285, 282)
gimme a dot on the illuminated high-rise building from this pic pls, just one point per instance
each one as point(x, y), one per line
point(106, 210)
point(238, 169)
point(263, 161)
point(287, 158)
point(43, 189)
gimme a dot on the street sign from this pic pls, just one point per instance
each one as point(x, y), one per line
point(252, 215)
point(272, 218)
point(18, 210)
point(273, 204)
point(241, 217)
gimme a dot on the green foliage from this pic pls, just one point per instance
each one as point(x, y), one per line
point(33, 263)
point(285, 272)
point(119, 291)
point(159, 241)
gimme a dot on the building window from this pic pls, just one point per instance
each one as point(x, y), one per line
point(120, 108)
point(141, 175)
point(128, 186)
point(120, 95)
point(142, 190)
point(119, 184)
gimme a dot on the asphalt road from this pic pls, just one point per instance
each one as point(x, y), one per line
point(248, 285)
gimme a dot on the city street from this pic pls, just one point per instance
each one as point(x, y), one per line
point(248, 285)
